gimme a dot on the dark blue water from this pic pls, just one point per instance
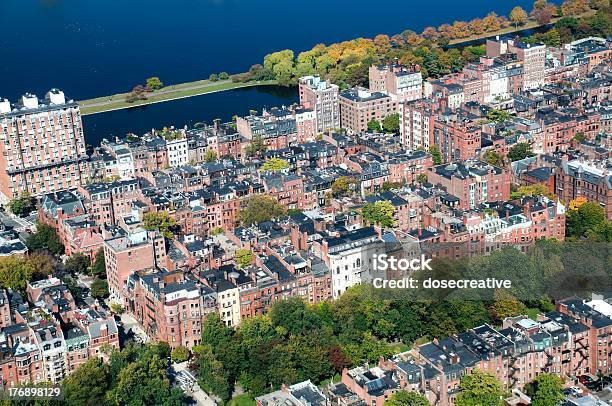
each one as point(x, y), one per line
point(92, 48)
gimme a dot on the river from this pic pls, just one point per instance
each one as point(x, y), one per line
point(92, 48)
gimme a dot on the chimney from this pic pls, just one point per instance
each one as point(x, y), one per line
point(507, 214)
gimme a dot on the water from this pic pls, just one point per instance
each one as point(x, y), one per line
point(93, 48)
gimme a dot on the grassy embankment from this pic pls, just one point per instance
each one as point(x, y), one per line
point(167, 93)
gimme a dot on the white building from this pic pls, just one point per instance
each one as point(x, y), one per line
point(178, 152)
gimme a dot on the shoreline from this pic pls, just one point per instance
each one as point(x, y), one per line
point(92, 106)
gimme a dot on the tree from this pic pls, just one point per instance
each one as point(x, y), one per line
point(87, 385)
point(519, 151)
point(213, 77)
point(243, 257)
point(154, 83)
point(580, 137)
point(537, 189)
point(518, 16)
point(435, 154)
point(493, 158)
point(547, 390)
point(260, 208)
point(77, 263)
point(499, 116)
point(117, 308)
point(15, 272)
point(589, 216)
point(480, 389)
point(282, 66)
point(256, 147)
point(44, 264)
point(404, 398)
point(161, 221)
point(45, 238)
point(379, 213)
point(391, 123)
point(23, 205)
point(180, 354)
point(343, 186)
point(274, 165)
point(505, 305)
point(212, 376)
point(374, 126)
point(99, 266)
point(99, 288)
point(210, 156)
point(223, 76)
point(422, 178)
point(574, 7)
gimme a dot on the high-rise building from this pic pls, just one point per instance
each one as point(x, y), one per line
point(42, 148)
point(322, 97)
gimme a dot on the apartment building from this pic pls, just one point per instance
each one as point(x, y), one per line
point(472, 182)
point(417, 124)
point(399, 82)
point(322, 97)
point(591, 180)
point(42, 148)
point(359, 106)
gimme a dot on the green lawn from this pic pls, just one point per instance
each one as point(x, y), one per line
point(180, 91)
point(242, 400)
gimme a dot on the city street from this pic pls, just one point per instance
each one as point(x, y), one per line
point(188, 383)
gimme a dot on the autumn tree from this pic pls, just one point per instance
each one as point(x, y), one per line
point(161, 221)
point(260, 208)
point(281, 64)
point(518, 16)
point(210, 156)
point(343, 186)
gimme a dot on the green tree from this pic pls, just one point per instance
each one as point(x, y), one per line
point(588, 217)
point(374, 126)
point(435, 154)
point(480, 389)
point(45, 238)
point(23, 205)
point(580, 137)
point(518, 16)
point(506, 305)
point(99, 265)
point(519, 151)
point(243, 257)
point(15, 272)
point(404, 398)
point(256, 147)
point(499, 116)
point(180, 354)
point(379, 213)
point(44, 264)
point(223, 76)
point(87, 385)
point(210, 156)
point(117, 308)
point(212, 376)
point(274, 165)
point(154, 83)
point(547, 390)
point(493, 158)
point(281, 64)
point(391, 123)
point(161, 221)
point(77, 263)
point(260, 208)
point(213, 77)
point(422, 178)
point(99, 288)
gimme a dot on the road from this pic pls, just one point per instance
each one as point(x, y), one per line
point(19, 224)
